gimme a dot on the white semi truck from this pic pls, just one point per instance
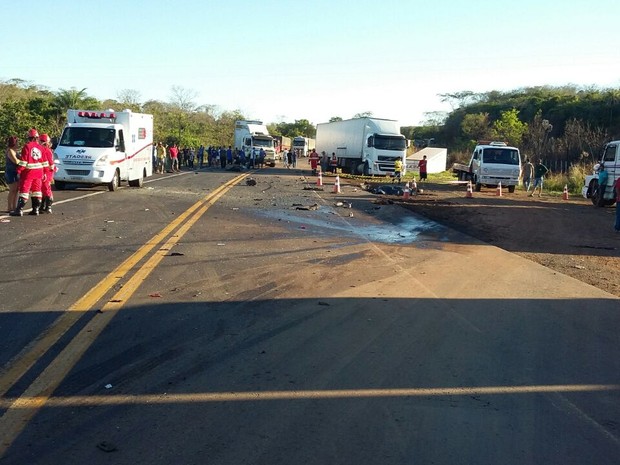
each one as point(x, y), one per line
point(104, 147)
point(368, 146)
point(250, 135)
point(303, 145)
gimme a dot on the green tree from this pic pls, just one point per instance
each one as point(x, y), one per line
point(476, 127)
point(509, 128)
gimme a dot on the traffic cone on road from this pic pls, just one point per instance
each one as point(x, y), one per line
point(498, 191)
point(319, 179)
point(406, 193)
point(565, 193)
point(470, 191)
point(337, 185)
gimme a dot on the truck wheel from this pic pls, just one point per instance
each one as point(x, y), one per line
point(113, 184)
point(60, 185)
point(478, 186)
point(511, 189)
point(366, 169)
point(138, 182)
point(597, 197)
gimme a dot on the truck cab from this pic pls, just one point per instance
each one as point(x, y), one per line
point(495, 163)
point(591, 189)
point(250, 135)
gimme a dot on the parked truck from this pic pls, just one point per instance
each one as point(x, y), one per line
point(591, 189)
point(104, 147)
point(253, 135)
point(491, 163)
point(368, 146)
point(303, 145)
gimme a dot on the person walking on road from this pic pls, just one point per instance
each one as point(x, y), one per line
point(174, 158)
point(30, 170)
point(527, 174)
point(539, 176)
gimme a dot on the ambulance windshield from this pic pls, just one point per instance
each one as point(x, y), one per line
point(88, 137)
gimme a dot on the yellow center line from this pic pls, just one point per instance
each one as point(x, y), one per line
point(35, 396)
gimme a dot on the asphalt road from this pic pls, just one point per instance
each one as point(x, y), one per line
point(199, 320)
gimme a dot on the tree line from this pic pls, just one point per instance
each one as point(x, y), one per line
point(567, 124)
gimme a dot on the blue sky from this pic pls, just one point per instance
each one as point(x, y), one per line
point(287, 60)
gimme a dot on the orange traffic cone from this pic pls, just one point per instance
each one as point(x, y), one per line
point(406, 193)
point(470, 191)
point(319, 179)
point(565, 193)
point(498, 191)
point(337, 185)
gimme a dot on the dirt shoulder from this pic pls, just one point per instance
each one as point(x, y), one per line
point(569, 236)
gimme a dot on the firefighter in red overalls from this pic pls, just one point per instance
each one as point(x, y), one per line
point(30, 171)
point(313, 160)
point(48, 174)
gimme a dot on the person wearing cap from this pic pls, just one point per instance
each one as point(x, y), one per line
point(48, 174)
point(11, 160)
point(30, 170)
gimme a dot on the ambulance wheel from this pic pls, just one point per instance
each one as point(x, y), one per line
point(113, 184)
point(60, 185)
point(137, 182)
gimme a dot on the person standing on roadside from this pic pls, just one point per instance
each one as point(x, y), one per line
point(333, 163)
point(422, 166)
point(48, 174)
point(10, 172)
point(161, 157)
point(617, 197)
point(539, 176)
point(174, 158)
point(527, 172)
point(314, 161)
point(398, 169)
point(30, 170)
point(603, 178)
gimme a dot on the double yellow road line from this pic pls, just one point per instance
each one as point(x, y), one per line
point(22, 409)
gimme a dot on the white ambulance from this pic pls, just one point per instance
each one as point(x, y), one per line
point(104, 147)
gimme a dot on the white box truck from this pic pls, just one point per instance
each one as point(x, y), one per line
point(251, 135)
point(491, 163)
point(368, 146)
point(104, 147)
point(591, 190)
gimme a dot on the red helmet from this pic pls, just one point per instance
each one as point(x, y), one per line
point(33, 133)
point(44, 138)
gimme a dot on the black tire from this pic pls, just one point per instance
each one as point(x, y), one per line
point(60, 185)
point(511, 189)
point(138, 182)
point(114, 183)
point(597, 199)
point(366, 169)
point(478, 186)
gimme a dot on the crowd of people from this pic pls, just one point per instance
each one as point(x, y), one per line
point(170, 158)
point(29, 174)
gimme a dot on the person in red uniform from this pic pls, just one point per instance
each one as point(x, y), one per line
point(48, 174)
point(422, 165)
point(30, 171)
point(314, 160)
